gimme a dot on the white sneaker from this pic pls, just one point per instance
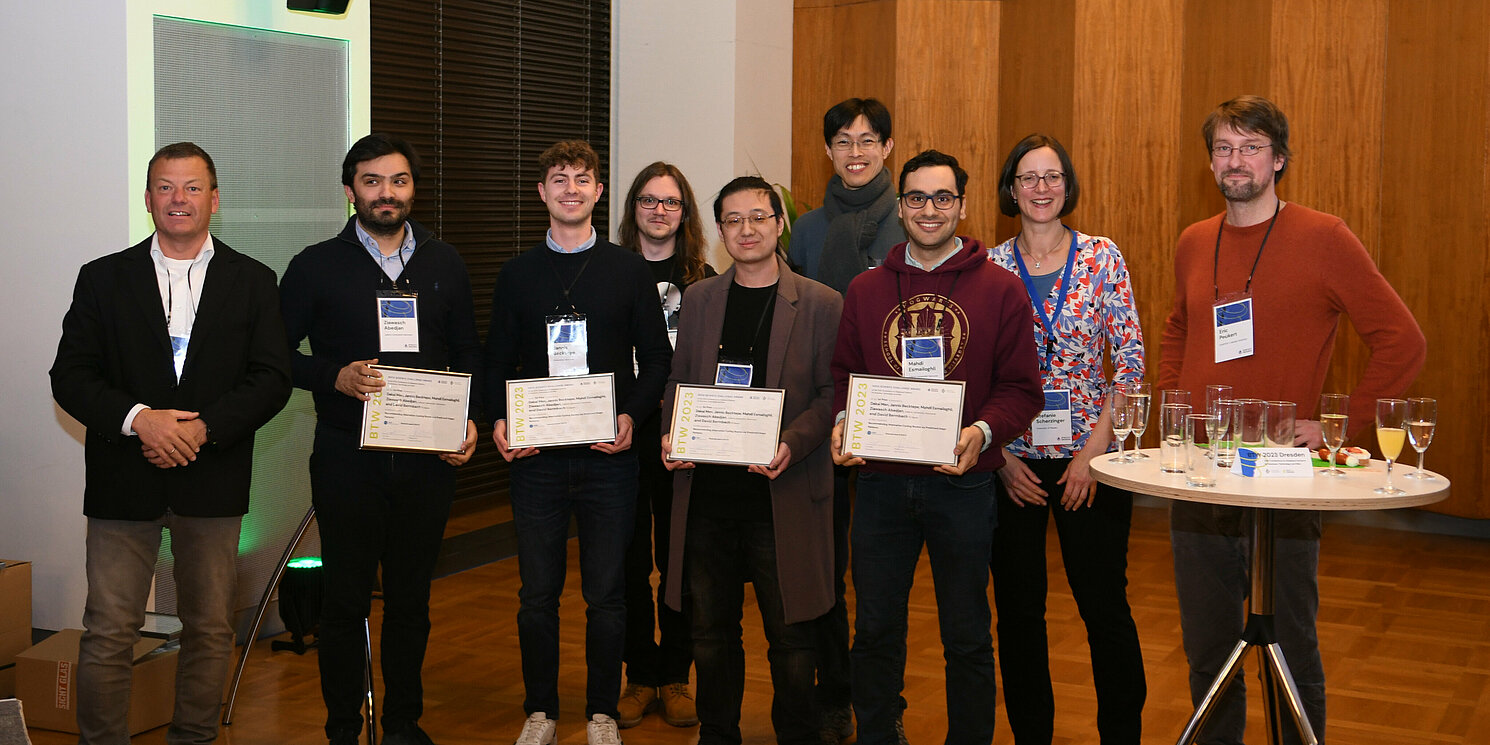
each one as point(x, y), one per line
point(538, 730)
point(602, 730)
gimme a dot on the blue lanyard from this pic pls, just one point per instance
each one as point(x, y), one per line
point(1047, 322)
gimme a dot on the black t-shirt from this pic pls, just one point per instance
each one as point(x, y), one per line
point(732, 492)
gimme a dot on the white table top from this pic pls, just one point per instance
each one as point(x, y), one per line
point(1349, 492)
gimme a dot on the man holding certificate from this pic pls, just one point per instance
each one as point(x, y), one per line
point(566, 318)
point(759, 511)
point(385, 290)
point(936, 319)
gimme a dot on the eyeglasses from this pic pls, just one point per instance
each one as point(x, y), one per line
point(756, 219)
point(943, 200)
point(1246, 151)
point(649, 202)
point(1053, 179)
point(844, 144)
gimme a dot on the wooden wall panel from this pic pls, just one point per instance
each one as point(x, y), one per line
point(1225, 56)
point(840, 49)
point(1037, 71)
point(1433, 219)
point(1127, 106)
point(946, 95)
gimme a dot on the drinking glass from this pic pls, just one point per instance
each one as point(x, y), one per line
point(1118, 411)
point(1279, 429)
point(1198, 472)
point(1391, 415)
point(1251, 431)
point(1334, 409)
point(1223, 442)
point(1174, 396)
point(1139, 394)
point(1172, 437)
point(1214, 394)
point(1422, 415)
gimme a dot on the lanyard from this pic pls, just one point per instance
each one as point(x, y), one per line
point(765, 313)
point(1047, 322)
point(566, 288)
point(1216, 259)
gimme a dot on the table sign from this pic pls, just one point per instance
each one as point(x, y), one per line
point(562, 410)
point(419, 411)
point(905, 420)
point(726, 424)
point(1274, 463)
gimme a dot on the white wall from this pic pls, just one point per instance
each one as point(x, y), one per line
point(705, 86)
point(77, 130)
point(66, 198)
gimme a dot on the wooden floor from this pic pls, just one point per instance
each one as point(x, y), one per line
point(1404, 626)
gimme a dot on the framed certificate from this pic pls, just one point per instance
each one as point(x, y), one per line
point(561, 410)
point(726, 424)
point(906, 420)
point(419, 411)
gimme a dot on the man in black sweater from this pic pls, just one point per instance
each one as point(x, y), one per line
point(377, 507)
point(605, 295)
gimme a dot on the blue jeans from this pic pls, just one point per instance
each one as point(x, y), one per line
point(599, 492)
point(1212, 579)
point(120, 564)
point(953, 517)
point(723, 555)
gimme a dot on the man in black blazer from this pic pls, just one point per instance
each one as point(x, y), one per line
point(172, 355)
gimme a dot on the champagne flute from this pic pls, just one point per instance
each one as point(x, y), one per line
point(1334, 409)
point(1422, 415)
point(1139, 396)
point(1391, 416)
point(1118, 411)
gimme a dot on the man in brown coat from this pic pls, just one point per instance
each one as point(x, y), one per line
point(770, 525)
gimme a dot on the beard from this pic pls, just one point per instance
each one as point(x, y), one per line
point(378, 224)
point(1240, 191)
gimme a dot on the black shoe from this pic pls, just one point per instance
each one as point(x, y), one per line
point(837, 725)
point(410, 735)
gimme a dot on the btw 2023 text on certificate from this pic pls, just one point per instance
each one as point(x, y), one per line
point(562, 410)
point(726, 424)
point(421, 411)
point(906, 420)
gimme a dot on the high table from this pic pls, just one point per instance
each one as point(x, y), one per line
point(1353, 491)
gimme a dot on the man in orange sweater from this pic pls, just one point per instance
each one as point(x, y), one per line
point(1279, 275)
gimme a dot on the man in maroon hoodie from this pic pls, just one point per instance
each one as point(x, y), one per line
point(942, 286)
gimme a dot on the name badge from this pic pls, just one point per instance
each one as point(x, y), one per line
point(568, 345)
point(1052, 426)
point(1233, 326)
point(734, 374)
point(398, 321)
point(921, 357)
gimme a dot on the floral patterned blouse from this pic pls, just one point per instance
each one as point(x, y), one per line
point(1098, 313)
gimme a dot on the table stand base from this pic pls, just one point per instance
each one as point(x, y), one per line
point(1259, 635)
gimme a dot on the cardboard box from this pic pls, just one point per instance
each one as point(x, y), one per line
point(46, 681)
point(15, 609)
point(8, 681)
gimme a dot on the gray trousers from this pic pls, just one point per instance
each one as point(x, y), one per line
point(1212, 579)
point(120, 565)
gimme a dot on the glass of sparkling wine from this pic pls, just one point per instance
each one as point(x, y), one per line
point(1391, 416)
point(1422, 415)
point(1334, 411)
point(1139, 395)
point(1118, 412)
point(1214, 395)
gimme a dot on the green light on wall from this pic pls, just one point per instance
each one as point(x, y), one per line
point(305, 562)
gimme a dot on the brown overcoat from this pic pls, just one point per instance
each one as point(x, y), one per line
point(804, 327)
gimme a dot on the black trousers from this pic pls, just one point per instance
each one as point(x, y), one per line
point(831, 633)
point(1094, 548)
point(375, 509)
point(659, 647)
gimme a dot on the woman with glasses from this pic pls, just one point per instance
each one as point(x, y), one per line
point(1079, 288)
